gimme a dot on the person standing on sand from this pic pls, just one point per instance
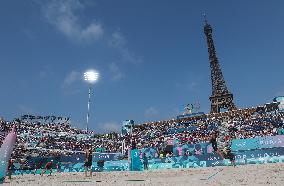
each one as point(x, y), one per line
point(58, 167)
point(213, 141)
point(145, 161)
point(11, 167)
point(37, 165)
point(230, 156)
point(88, 161)
point(48, 166)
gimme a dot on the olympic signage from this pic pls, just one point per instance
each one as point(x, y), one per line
point(135, 163)
point(258, 143)
point(106, 156)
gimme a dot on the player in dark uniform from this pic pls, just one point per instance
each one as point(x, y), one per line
point(230, 156)
point(213, 141)
point(37, 166)
point(145, 161)
point(11, 168)
point(88, 161)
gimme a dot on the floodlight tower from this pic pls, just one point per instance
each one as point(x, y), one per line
point(91, 77)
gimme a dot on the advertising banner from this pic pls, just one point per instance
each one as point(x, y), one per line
point(135, 164)
point(106, 156)
point(193, 149)
point(258, 143)
point(273, 152)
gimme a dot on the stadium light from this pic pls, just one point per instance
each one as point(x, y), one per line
point(91, 77)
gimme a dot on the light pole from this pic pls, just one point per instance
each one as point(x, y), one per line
point(91, 77)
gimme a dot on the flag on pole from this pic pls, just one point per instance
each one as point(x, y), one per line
point(5, 152)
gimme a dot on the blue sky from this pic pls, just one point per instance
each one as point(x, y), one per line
point(152, 56)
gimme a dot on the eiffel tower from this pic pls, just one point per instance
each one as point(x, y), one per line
point(221, 98)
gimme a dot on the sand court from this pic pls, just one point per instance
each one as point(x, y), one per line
point(265, 174)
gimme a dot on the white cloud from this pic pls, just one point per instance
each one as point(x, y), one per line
point(71, 78)
point(110, 127)
point(151, 112)
point(62, 15)
point(119, 42)
point(115, 72)
point(70, 85)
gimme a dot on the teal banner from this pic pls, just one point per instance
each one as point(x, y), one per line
point(106, 156)
point(258, 143)
point(135, 164)
point(272, 155)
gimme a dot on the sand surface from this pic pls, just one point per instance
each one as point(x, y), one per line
point(265, 174)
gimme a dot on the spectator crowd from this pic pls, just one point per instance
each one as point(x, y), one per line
point(52, 138)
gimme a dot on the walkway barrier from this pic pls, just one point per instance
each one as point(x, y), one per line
point(247, 151)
